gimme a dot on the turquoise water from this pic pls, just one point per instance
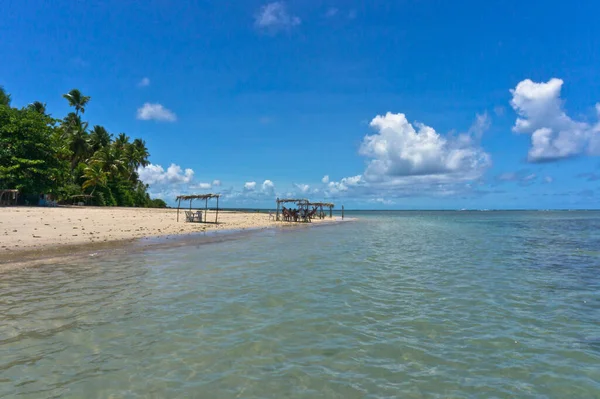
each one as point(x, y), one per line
point(400, 304)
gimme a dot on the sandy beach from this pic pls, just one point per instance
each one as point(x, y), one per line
point(37, 229)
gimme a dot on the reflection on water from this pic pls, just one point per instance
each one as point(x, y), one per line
point(433, 304)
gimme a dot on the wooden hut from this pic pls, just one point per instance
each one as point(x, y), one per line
point(81, 199)
point(8, 197)
point(302, 204)
point(204, 197)
point(322, 205)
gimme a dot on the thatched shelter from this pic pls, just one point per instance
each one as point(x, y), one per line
point(86, 198)
point(301, 202)
point(9, 197)
point(204, 197)
point(322, 205)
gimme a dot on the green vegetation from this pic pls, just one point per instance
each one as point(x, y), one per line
point(40, 154)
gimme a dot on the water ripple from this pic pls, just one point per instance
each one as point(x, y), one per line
point(408, 305)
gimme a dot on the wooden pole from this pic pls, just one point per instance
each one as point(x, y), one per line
point(342, 212)
point(178, 205)
point(330, 212)
point(191, 205)
point(277, 217)
point(205, 209)
point(217, 215)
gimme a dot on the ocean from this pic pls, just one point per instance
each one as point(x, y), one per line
point(393, 305)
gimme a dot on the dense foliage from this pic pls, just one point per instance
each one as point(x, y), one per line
point(40, 154)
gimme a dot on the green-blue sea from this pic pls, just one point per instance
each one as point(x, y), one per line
point(393, 305)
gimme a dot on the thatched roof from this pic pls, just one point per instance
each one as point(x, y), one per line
point(197, 196)
point(301, 200)
point(325, 204)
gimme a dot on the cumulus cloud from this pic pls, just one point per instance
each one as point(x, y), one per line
point(325, 179)
point(250, 186)
point(216, 183)
point(144, 82)
point(156, 112)
point(274, 16)
point(411, 159)
point(344, 184)
point(155, 174)
point(268, 186)
point(398, 150)
point(302, 187)
point(548, 179)
point(554, 135)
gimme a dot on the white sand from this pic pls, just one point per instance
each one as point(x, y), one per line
point(37, 228)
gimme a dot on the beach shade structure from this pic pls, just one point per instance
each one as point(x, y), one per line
point(9, 197)
point(204, 197)
point(322, 205)
point(302, 204)
point(81, 199)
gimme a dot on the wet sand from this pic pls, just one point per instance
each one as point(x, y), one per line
point(30, 233)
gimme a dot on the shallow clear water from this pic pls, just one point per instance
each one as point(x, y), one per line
point(402, 304)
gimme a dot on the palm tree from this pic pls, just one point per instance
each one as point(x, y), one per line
point(99, 138)
point(79, 145)
point(4, 97)
point(108, 160)
point(77, 100)
point(137, 155)
point(122, 141)
point(94, 176)
point(38, 107)
point(141, 153)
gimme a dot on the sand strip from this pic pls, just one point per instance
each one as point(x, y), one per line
point(35, 233)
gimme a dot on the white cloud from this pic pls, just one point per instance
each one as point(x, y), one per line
point(274, 16)
point(480, 126)
point(413, 160)
point(383, 201)
point(344, 184)
point(216, 183)
point(250, 186)
point(155, 174)
point(522, 177)
point(554, 135)
point(548, 179)
point(202, 186)
point(302, 187)
point(399, 150)
point(268, 186)
point(156, 112)
point(144, 82)
point(325, 179)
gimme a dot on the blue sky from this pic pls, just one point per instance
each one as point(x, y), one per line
point(400, 104)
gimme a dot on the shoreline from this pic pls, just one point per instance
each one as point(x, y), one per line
point(25, 243)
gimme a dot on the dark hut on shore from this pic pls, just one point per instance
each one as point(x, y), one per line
point(9, 197)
